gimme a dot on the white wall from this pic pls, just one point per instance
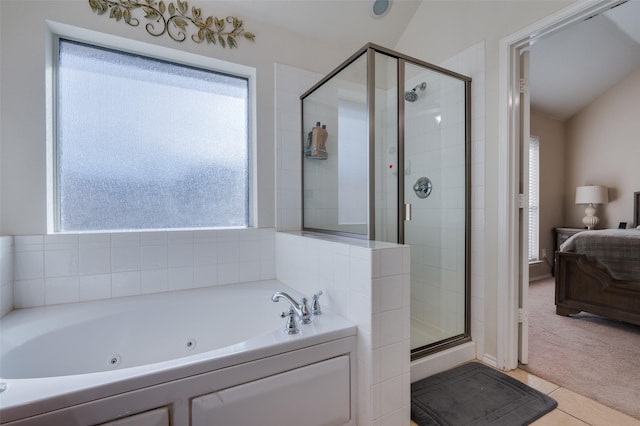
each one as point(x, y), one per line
point(23, 122)
point(440, 30)
point(603, 148)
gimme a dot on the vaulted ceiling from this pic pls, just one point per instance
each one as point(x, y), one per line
point(569, 69)
point(335, 21)
point(573, 67)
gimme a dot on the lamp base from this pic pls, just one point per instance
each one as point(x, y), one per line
point(590, 220)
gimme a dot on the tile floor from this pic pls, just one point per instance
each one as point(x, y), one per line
point(573, 409)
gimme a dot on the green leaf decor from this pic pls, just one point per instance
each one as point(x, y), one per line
point(211, 30)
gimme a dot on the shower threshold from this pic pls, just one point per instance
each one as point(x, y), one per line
point(423, 334)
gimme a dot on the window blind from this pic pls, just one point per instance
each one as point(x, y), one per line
point(534, 198)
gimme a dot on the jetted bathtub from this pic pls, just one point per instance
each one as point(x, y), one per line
point(216, 355)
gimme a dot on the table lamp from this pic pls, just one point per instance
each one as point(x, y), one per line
point(591, 195)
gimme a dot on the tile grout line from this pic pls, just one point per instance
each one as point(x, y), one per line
point(565, 412)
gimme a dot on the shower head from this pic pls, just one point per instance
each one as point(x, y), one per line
point(412, 95)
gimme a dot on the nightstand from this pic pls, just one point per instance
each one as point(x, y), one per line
point(561, 235)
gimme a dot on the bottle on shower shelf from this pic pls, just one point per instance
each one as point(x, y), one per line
point(322, 140)
point(316, 142)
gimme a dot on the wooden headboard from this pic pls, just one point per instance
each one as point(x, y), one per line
point(636, 208)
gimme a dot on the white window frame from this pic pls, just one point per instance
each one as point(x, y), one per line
point(56, 30)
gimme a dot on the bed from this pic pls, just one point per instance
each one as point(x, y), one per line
point(599, 272)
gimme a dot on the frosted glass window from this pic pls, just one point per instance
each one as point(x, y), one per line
point(146, 144)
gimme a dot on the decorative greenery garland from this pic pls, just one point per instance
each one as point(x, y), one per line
point(212, 29)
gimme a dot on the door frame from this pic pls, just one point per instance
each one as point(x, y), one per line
point(508, 169)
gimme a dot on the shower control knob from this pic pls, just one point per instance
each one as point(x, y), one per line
point(423, 187)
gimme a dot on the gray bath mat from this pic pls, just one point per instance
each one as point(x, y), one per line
point(474, 394)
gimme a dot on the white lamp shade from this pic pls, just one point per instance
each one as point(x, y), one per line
point(592, 194)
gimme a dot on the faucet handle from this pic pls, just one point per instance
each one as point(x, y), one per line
point(315, 310)
point(291, 327)
point(305, 315)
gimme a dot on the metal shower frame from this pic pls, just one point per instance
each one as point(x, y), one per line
point(370, 50)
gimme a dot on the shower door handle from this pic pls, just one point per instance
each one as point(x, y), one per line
point(407, 211)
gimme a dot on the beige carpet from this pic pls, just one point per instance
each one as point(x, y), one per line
point(591, 355)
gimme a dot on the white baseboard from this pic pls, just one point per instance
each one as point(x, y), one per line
point(490, 360)
point(539, 277)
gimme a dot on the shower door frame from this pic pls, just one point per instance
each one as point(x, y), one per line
point(370, 106)
point(370, 49)
point(464, 337)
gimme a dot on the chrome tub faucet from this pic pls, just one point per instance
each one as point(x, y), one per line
point(301, 308)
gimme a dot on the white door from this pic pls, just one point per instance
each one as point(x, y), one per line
point(523, 302)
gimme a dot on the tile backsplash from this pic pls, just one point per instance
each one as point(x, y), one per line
point(67, 268)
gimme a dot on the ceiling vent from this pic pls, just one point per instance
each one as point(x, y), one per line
point(380, 8)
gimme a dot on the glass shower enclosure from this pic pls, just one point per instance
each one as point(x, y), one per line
point(386, 147)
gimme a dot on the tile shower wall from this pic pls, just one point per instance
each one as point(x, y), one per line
point(290, 83)
point(6, 275)
point(368, 283)
point(53, 269)
point(436, 149)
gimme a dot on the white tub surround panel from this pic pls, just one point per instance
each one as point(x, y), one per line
point(6, 275)
point(67, 268)
point(368, 283)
